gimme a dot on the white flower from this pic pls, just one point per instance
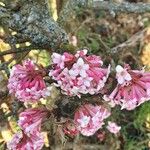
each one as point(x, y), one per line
point(122, 75)
point(80, 68)
point(58, 59)
point(81, 53)
point(113, 127)
point(85, 81)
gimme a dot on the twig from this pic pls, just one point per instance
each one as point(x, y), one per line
point(72, 6)
point(121, 7)
point(139, 36)
point(18, 50)
point(81, 147)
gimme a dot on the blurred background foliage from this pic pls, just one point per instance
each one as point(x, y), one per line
point(99, 31)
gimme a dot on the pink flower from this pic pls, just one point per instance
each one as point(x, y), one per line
point(79, 68)
point(94, 61)
point(69, 58)
point(132, 89)
point(21, 141)
point(81, 53)
point(70, 129)
point(58, 59)
point(27, 83)
point(30, 120)
point(81, 74)
point(113, 127)
point(89, 118)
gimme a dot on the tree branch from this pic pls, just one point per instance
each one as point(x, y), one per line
point(72, 6)
point(32, 21)
point(139, 36)
point(18, 50)
point(122, 7)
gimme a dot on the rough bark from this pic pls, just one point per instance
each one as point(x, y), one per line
point(32, 22)
point(121, 7)
point(72, 6)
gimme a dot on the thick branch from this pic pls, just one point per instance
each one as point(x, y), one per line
point(32, 21)
point(73, 6)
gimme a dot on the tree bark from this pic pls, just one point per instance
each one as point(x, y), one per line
point(30, 19)
point(72, 6)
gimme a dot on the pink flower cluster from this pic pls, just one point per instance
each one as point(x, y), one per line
point(27, 83)
point(30, 120)
point(78, 74)
point(89, 118)
point(21, 141)
point(30, 138)
point(133, 88)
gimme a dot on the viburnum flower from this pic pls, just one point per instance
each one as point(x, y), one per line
point(21, 141)
point(133, 88)
point(122, 75)
point(70, 128)
point(113, 127)
point(58, 59)
point(89, 118)
point(30, 120)
point(27, 83)
point(79, 74)
point(79, 68)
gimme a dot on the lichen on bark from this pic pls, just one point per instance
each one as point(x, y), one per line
point(32, 21)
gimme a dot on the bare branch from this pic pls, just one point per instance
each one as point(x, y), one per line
point(80, 146)
point(121, 7)
point(139, 36)
point(72, 6)
point(18, 50)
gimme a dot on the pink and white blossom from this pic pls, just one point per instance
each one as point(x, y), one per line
point(21, 141)
point(58, 59)
point(113, 127)
point(89, 118)
point(79, 68)
point(81, 53)
point(30, 120)
point(132, 89)
point(79, 74)
point(27, 83)
point(122, 75)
